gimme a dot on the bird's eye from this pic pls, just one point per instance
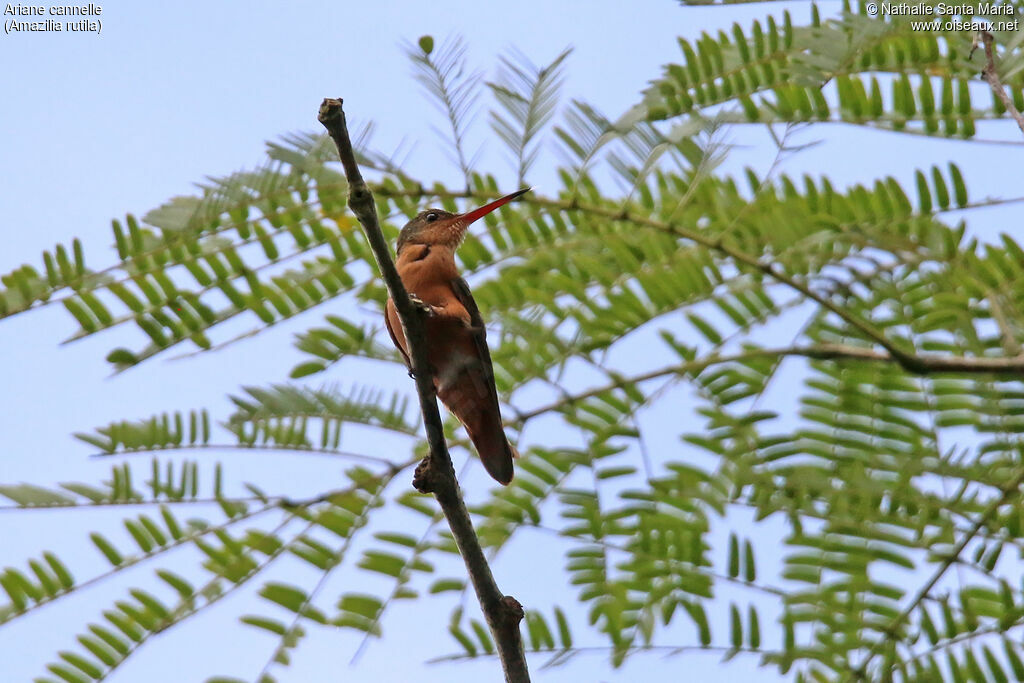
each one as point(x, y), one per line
point(431, 217)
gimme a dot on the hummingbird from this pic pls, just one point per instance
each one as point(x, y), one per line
point(455, 333)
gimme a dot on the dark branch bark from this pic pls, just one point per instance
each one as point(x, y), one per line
point(435, 474)
point(991, 76)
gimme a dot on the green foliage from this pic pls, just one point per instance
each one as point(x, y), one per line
point(875, 470)
point(528, 95)
point(836, 70)
point(453, 88)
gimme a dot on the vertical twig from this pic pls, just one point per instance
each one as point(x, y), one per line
point(435, 474)
point(991, 76)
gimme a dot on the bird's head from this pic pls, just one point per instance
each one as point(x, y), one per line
point(438, 227)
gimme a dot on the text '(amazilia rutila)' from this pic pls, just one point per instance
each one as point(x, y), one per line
point(455, 335)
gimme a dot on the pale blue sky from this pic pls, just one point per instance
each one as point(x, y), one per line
point(96, 126)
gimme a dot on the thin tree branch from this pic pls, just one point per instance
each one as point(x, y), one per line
point(421, 192)
point(90, 505)
point(721, 245)
point(922, 365)
point(999, 627)
point(334, 562)
point(666, 650)
point(131, 561)
point(401, 581)
point(1009, 491)
point(281, 501)
point(435, 473)
point(991, 76)
point(906, 359)
point(188, 607)
point(290, 449)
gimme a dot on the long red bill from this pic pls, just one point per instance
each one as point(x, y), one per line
point(477, 214)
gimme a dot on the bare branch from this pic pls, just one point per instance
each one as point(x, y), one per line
point(991, 76)
point(560, 654)
point(435, 473)
point(290, 449)
point(922, 365)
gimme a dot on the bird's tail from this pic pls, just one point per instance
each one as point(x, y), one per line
point(495, 452)
point(477, 410)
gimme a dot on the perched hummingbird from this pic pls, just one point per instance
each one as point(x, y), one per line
point(455, 332)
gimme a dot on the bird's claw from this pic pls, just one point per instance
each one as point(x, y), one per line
point(422, 306)
point(412, 373)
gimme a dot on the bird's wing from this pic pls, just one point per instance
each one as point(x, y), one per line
point(461, 290)
point(482, 416)
point(394, 339)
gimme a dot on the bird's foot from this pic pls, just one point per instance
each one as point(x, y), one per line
point(422, 306)
point(412, 373)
